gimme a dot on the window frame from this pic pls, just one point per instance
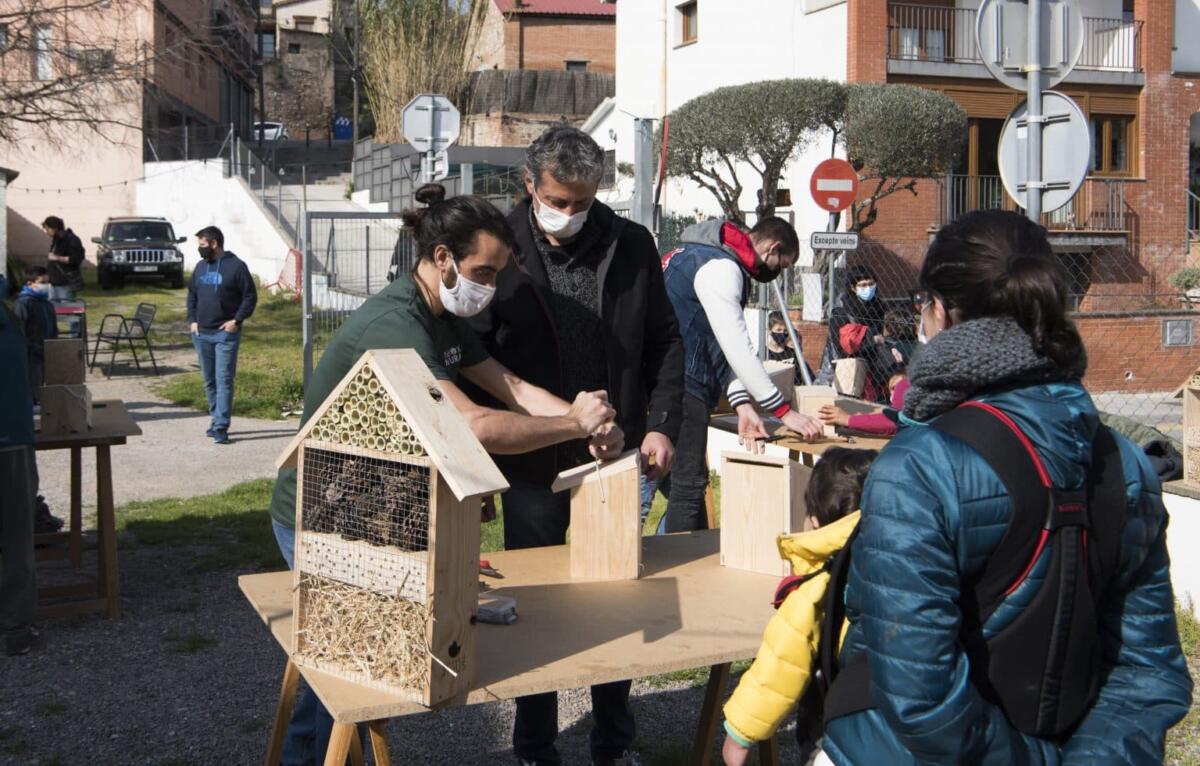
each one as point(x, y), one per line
point(40, 54)
point(688, 11)
point(582, 65)
point(1102, 146)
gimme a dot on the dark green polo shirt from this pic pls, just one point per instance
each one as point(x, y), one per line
point(397, 317)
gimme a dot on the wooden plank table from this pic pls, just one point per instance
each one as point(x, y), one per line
point(687, 611)
point(111, 425)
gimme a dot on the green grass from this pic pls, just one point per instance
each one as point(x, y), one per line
point(228, 529)
point(270, 365)
point(1183, 742)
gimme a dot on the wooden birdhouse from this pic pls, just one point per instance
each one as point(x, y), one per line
point(388, 489)
point(808, 400)
point(762, 497)
point(606, 520)
point(1191, 430)
point(65, 410)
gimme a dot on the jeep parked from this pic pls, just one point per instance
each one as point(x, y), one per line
point(138, 248)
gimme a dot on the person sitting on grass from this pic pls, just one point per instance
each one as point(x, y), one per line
point(783, 668)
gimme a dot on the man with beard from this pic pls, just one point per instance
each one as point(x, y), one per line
point(221, 296)
point(709, 278)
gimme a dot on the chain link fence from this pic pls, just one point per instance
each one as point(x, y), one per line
point(346, 261)
point(1139, 330)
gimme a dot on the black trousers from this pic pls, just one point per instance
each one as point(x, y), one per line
point(689, 474)
point(534, 517)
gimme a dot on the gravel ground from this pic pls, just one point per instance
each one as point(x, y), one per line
point(172, 457)
point(189, 675)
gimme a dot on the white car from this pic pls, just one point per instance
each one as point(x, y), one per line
point(271, 131)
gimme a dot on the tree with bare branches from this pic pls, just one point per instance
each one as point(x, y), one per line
point(67, 65)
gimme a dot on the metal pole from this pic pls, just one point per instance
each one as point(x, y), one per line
point(831, 226)
point(307, 310)
point(787, 320)
point(764, 311)
point(354, 84)
point(1034, 119)
point(368, 231)
point(643, 173)
point(466, 173)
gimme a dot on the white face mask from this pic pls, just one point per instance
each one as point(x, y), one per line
point(558, 224)
point(466, 298)
point(922, 338)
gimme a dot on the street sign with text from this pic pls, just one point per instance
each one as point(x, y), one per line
point(834, 185)
point(834, 240)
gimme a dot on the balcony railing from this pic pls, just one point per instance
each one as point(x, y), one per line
point(1099, 205)
point(947, 35)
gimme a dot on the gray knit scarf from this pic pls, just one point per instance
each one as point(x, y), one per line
point(971, 357)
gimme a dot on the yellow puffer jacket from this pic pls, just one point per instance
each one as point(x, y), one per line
point(783, 666)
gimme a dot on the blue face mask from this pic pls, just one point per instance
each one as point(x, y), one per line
point(865, 293)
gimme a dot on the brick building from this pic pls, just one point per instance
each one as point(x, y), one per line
point(185, 74)
point(571, 35)
point(538, 62)
point(1129, 229)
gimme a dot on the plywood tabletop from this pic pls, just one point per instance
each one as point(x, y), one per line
point(687, 611)
point(111, 424)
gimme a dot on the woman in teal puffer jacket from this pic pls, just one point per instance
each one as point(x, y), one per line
point(994, 309)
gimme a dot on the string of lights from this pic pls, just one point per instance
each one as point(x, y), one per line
point(101, 187)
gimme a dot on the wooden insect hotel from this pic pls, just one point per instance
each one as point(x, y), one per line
point(606, 519)
point(388, 489)
point(1191, 429)
point(762, 497)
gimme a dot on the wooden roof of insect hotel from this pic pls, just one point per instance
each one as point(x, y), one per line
point(434, 421)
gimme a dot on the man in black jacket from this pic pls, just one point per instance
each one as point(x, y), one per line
point(583, 308)
point(64, 260)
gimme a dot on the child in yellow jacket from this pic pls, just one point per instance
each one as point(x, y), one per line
point(784, 665)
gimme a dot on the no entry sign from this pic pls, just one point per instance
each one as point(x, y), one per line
point(834, 185)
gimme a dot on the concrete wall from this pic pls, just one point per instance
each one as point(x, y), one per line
point(192, 195)
point(736, 43)
point(319, 10)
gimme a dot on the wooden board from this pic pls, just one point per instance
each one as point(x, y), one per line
point(687, 611)
point(442, 431)
point(453, 594)
point(762, 497)
point(573, 477)
point(66, 410)
point(606, 525)
point(66, 362)
point(111, 424)
point(808, 400)
point(1191, 434)
point(782, 437)
point(850, 376)
point(782, 374)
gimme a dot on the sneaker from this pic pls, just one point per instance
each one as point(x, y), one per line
point(221, 437)
point(211, 432)
point(627, 758)
point(23, 642)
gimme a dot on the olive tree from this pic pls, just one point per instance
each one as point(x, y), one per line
point(895, 135)
point(892, 134)
point(760, 125)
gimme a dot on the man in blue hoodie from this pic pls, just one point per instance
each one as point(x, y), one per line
point(221, 296)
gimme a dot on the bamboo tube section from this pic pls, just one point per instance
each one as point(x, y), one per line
point(365, 416)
